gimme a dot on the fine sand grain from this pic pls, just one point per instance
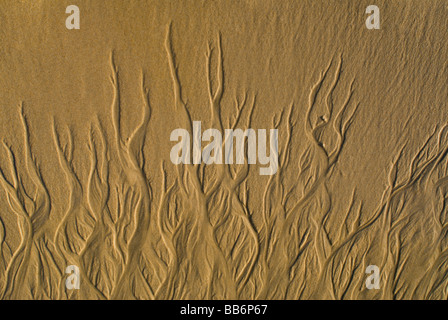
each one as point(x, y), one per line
point(88, 187)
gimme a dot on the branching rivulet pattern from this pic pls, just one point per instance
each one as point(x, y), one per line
point(203, 237)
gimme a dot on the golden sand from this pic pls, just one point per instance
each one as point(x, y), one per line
point(91, 197)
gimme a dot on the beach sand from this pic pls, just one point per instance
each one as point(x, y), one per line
point(89, 191)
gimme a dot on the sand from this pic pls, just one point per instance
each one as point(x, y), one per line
point(93, 207)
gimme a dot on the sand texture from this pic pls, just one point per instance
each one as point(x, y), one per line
point(89, 192)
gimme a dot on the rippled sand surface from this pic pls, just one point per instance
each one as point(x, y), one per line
point(93, 207)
